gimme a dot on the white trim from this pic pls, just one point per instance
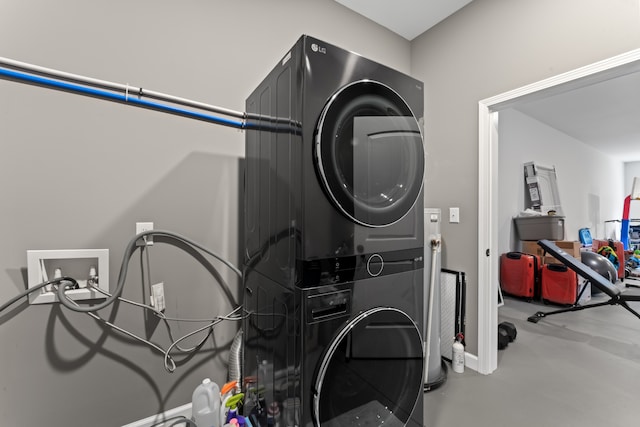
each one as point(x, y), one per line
point(626, 63)
point(616, 66)
point(487, 293)
point(471, 361)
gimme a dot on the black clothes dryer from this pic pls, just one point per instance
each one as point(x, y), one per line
point(336, 169)
point(334, 243)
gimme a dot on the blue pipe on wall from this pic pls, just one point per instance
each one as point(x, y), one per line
point(115, 97)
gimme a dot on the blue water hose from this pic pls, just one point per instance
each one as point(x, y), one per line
point(116, 97)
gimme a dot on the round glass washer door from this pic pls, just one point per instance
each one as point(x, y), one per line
point(371, 373)
point(369, 153)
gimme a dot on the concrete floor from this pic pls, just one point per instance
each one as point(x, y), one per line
point(571, 369)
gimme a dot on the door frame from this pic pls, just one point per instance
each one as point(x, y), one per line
point(488, 135)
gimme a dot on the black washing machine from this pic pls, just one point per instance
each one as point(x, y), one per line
point(334, 243)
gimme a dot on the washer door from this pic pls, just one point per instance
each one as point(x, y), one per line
point(371, 373)
point(369, 153)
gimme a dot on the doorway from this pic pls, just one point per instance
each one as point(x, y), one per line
point(488, 118)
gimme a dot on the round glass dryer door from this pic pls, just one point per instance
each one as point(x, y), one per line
point(371, 373)
point(369, 153)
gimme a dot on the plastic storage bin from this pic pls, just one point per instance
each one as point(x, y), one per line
point(548, 227)
point(585, 237)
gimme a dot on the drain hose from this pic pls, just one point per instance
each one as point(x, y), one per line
point(235, 360)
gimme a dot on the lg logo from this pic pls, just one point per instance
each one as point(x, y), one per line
point(316, 48)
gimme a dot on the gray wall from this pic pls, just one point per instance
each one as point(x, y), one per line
point(586, 199)
point(487, 48)
point(79, 173)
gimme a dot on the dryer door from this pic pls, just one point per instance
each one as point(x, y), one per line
point(369, 153)
point(371, 373)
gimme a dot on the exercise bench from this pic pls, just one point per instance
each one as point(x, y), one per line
point(597, 281)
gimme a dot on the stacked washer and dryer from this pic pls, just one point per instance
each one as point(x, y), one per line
point(334, 240)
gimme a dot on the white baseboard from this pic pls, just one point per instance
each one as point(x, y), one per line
point(156, 420)
point(471, 361)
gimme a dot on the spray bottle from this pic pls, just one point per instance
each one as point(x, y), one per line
point(232, 403)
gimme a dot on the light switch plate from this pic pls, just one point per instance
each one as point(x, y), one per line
point(454, 215)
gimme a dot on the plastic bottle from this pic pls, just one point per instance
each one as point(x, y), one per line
point(457, 359)
point(205, 404)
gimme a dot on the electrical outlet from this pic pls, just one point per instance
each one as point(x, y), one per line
point(141, 227)
point(157, 296)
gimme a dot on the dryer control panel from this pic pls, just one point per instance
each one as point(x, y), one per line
point(329, 271)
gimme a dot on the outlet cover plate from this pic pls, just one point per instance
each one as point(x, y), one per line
point(142, 227)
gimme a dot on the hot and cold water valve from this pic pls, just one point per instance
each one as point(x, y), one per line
point(89, 267)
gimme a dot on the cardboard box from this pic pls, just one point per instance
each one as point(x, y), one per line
point(569, 246)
